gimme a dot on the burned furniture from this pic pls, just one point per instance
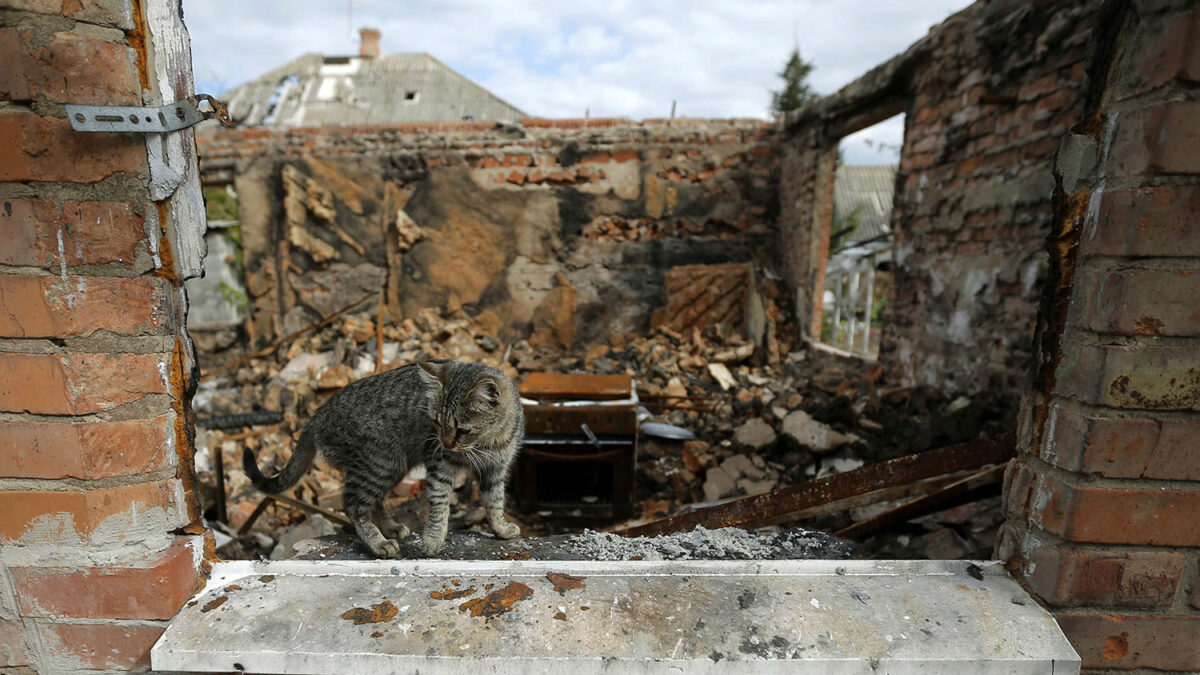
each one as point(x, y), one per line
point(580, 447)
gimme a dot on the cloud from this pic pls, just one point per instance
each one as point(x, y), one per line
point(557, 59)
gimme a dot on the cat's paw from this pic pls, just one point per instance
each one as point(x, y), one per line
point(506, 530)
point(396, 530)
point(389, 548)
point(431, 546)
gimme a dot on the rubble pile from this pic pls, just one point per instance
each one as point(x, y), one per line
point(757, 426)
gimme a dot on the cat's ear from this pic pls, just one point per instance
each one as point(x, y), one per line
point(487, 391)
point(434, 369)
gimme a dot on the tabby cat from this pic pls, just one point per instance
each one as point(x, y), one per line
point(443, 414)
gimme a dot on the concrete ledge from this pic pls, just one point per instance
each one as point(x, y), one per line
point(401, 616)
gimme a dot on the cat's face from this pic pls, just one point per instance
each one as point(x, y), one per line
point(464, 404)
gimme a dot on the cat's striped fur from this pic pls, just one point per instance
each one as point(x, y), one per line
point(443, 414)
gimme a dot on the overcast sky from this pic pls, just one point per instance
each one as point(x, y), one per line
point(617, 58)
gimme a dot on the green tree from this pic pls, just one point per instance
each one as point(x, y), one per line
point(796, 91)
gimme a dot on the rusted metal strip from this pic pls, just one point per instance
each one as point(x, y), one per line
point(895, 493)
point(923, 505)
point(866, 479)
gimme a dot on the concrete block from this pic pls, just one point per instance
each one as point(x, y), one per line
point(631, 617)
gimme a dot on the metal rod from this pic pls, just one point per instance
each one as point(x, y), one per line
point(258, 511)
point(275, 345)
point(219, 458)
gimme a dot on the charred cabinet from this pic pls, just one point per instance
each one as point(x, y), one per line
point(580, 446)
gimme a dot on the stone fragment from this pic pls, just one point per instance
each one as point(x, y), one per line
point(721, 374)
point(718, 484)
point(739, 466)
point(755, 433)
point(816, 436)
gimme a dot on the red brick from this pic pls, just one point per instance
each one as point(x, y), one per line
point(1145, 222)
point(1165, 48)
point(51, 151)
point(76, 384)
point(624, 155)
point(1126, 642)
point(86, 450)
point(152, 588)
point(1124, 447)
point(13, 652)
point(107, 646)
point(1194, 601)
point(1160, 139)
point(1104, 515)
point(69, 69)
point(93, 233)
point(14, 84)
point(25, 516)
point(54, 306)
point(1163, 377)
point(114, 13)
point(596, 158)
point(1138, 301)
point(1067, 577)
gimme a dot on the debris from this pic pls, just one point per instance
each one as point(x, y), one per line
point(892, 472)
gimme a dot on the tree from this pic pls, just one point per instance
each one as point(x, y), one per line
point(796, 92)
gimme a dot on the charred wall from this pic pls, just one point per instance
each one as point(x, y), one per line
point(987, 95)
point(511, 224)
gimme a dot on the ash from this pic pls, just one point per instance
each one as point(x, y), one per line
point(727, 543)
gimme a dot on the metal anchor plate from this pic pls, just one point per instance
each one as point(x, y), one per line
point(126, 119)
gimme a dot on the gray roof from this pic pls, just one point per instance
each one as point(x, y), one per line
point(864, 192)
point(318, 90)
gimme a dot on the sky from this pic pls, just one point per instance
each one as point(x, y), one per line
point(617, 58)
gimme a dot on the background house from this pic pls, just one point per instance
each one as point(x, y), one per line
point(371, 88)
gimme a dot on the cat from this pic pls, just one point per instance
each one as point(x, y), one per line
point(443, 414)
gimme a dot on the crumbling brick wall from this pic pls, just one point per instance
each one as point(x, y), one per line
point(1103, 502)
point(501, 222)
point(99, 540)
point(986, 96)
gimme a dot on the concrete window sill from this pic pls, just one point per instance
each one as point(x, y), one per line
point(853, 616)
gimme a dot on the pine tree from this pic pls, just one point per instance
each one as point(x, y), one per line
point(796, 92)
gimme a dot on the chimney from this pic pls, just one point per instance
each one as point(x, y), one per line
point(368, 46)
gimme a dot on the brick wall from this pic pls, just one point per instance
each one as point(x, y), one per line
point(1104, 501)
point(493, 219)
point(986, 96)
point(95, 368)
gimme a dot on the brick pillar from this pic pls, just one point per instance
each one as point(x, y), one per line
point(100, 531)
point(1104, 501)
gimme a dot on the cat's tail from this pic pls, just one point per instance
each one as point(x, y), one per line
point(302, 459)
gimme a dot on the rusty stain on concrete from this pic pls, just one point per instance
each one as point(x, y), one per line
point(498, 601)
point(565, 582)
point(213, 604)
point(380, 613)
point(451, 594)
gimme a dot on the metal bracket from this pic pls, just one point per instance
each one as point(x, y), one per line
point(170, 117)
